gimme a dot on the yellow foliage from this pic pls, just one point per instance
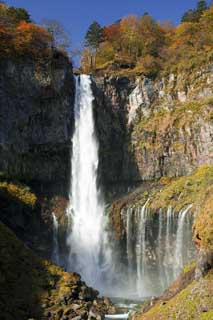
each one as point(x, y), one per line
point(19, 192)
point(203, 225)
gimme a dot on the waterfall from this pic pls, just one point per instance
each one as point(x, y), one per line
point(168, 257)
point(180, 243)
point(162, 246)
point(141, 264)
point(89, 252)
point(129, 233)
point(55, 253)
point(160, 239)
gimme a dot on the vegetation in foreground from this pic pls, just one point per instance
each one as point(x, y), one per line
point(31, 288)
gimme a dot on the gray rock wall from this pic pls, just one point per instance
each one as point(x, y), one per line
point(36, 119)
point(133, 146)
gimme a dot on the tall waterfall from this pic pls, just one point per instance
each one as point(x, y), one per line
point(162, 246)
point(89, 254)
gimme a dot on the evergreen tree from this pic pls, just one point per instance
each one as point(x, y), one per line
point(201, 6)
point(94, 36)
point(190, 16)
point(18, 14)
point(194, 15)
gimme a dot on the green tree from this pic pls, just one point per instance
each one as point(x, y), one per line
point(17, 15)
point(190, 16)
point(94, 36)
point(201, 6)
point(194, 15)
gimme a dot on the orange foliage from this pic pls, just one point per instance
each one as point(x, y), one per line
point(31, 38)
point(23, 39)
point(112, 33)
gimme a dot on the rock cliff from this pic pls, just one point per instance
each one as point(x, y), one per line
point(149, 129)
point(36, 108)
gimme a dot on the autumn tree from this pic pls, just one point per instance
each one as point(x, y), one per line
point(131, 40)
point(105, 54)
point(152, 35)
point(112, 34)
point(32, 39)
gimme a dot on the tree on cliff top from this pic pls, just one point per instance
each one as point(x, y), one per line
point(61, 39)
point(18, 14)
point(94, 36)
point(194, 15)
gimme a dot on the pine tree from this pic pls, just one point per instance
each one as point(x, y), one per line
point(94, 36)
point(194, 15)
point(201, 6)
point(190, 16)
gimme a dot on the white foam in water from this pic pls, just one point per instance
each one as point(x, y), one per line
point(117, 316)
point(90, 254)
point(161, 248)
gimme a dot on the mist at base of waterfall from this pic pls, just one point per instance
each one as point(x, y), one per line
point(158, 246)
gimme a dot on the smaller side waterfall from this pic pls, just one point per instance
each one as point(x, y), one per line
point(181, 240)
point(55, 253)
point(158, 249)
point(141, 261)
point(129, 239)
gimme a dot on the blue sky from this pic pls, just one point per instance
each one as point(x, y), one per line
point(77, 15)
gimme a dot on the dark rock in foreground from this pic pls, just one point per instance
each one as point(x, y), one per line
point(32, 288)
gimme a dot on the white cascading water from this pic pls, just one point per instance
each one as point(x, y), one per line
point(180, 244)
point(168, 257)
point(162, 246)
point(141, 264)
point(55, 254)
point(160, 239)
point(90, 254)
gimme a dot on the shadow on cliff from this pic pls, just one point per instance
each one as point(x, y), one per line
point(30, 222)
point(25, 279)
point(118, 169)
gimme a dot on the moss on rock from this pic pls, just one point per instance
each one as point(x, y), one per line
point(193, 302)
point(19, 192)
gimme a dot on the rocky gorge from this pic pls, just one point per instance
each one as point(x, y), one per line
point(155, 142)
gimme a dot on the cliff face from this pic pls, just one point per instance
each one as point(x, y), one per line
point(148, 129)
point(36, 124)
point(117, 164)
point(36, 108)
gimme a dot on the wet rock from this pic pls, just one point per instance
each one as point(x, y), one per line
point(204, 263)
